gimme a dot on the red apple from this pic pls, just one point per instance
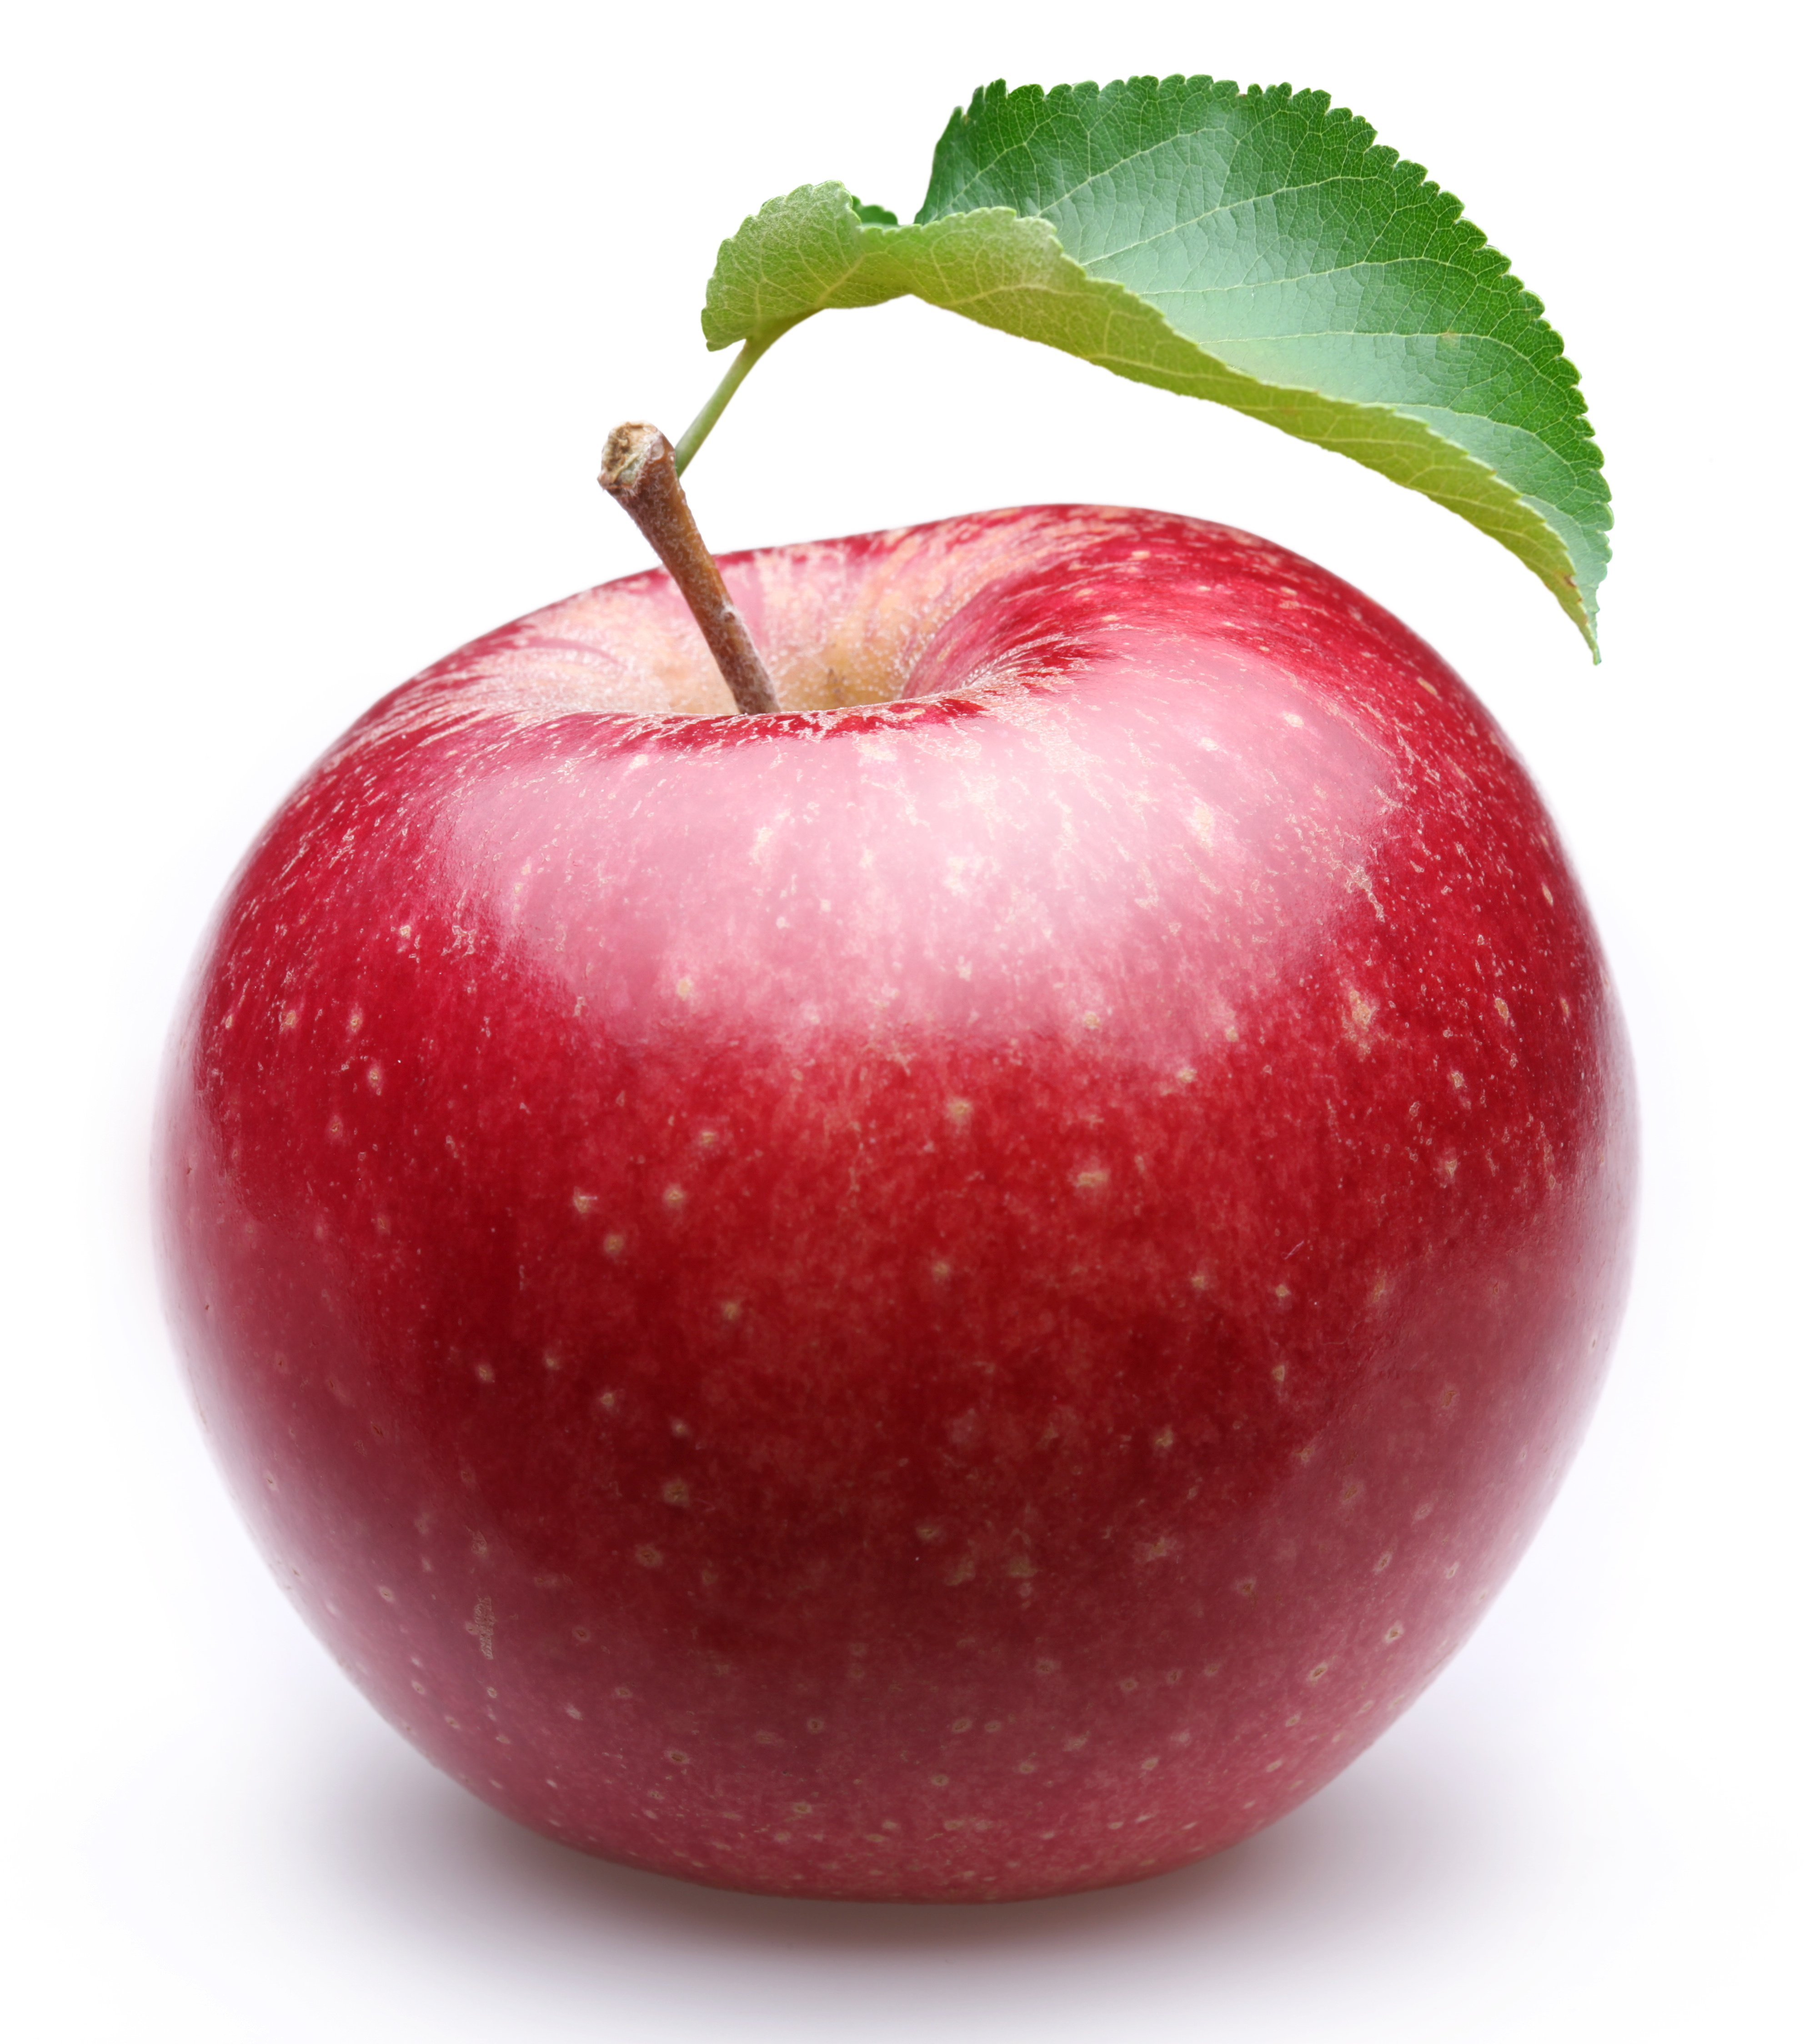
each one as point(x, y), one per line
point(958, 1291)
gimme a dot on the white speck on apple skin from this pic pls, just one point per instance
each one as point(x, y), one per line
point(482, 1626)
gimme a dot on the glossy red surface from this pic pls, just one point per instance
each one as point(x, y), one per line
point(959, 1297)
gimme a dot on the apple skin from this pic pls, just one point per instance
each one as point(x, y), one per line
point(952, 1297)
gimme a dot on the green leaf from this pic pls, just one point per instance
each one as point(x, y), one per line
point(1257, 248)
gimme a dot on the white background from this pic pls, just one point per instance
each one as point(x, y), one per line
point(319, 316)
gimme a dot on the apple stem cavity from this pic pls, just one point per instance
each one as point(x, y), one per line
point(639, 471)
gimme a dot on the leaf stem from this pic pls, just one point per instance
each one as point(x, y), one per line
point(703, 422)
point(639, 473)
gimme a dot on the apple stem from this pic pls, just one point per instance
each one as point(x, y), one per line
point(639, 473)
point(703, 422)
